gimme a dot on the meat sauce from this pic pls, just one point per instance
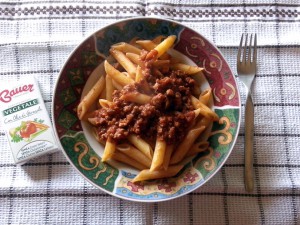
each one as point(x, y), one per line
point(167, 116)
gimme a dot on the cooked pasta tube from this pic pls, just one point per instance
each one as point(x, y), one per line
point(136, 97)
point(150, 175)
point(196, 90)
point(134, 153)
point(142, 145)
point(135, 58)
point(158, 155)
point(105, 103)
point(203, 121)
point(139, 74)
point(165, 45)
point(93, 120)
point(117, 75)
point(199, 77)
point(90, 98)
point(124, 61)
point(150, 45)
point(161, 63)
point(206, 97)
point(97, 137)
point(185, 145)
point(146, 44)
point(109, 88)
point(186, 69)
point(197, 112)
point(125, 47)
point(110, 148)
point(132, 41)
point(126, 74)
point(89, 115)
point(207, 123)
point(197, 147)
point(103, 92)
point(168, 153)
point(116, 85)
point(205, 111)
point(121, 157)
point(158, 39)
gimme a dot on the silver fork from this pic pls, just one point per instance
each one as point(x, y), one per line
point(246, 69)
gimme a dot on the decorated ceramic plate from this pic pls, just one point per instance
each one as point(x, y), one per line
point(83, 151)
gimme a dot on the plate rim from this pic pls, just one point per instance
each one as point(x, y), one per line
point(113, 193)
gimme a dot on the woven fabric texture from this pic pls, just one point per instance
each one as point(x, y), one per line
point(36, 38)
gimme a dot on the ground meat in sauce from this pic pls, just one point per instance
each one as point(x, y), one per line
point(167, 116)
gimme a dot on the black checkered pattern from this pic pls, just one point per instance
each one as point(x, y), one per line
point(36, 38)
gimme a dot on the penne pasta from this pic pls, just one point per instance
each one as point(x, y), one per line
point(206, 97)
point(93, 121)
point(105, 103)
point(134, 153)
point(109, 88)
point(165, 45)
point(146, 44)
point(121, 157)
point(126, 74)
point(150, 45)
point(90, 98)
point(161, 63)
point(136, 97)
point(196, 90)
point(142, 145)
point(139, 74)
point(150, 175)
point(158, 155)
point(135, 58)
point(158, 39)
point(124, 62)
point(116, 85)
point(197, 148)
point(168, 153)
point(185, 145)
point(117, 75)
point(198, 77)
point(186, 69)
point(133, 41)
point(88, 115)
point(125, 47)
point(103, 93)
point(110, 148)
point(205, 111)
point(197, 112)
point(97, 138)
point(207, 123)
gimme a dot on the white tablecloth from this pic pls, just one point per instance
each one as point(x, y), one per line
point(36, 37)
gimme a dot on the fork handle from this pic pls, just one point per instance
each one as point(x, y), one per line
point(249, 126)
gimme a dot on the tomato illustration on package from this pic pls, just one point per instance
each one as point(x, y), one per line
point(26, 120)
point(28, 130)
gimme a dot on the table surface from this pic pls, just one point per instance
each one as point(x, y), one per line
point(36, 38)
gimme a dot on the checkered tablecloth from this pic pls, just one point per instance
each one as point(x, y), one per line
point(36, 37)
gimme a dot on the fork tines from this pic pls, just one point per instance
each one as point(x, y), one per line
point(247, 49)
